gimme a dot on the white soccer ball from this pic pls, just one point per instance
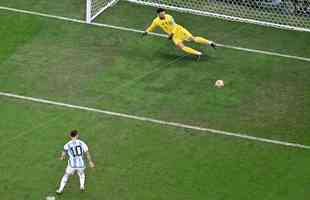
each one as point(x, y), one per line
point(219, 83)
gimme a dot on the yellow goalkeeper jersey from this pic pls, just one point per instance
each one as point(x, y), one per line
point(167, 25)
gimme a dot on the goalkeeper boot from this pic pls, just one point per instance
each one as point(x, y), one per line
point(213, 45)
point(59, 192)
point(198, 56)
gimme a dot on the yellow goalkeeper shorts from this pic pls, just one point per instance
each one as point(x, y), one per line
point(180, 35)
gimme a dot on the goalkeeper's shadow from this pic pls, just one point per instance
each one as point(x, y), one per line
point(180, 57)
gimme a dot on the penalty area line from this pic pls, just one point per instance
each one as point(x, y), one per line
point(155, 121)
point(269, 53)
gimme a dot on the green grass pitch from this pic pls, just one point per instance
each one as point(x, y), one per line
point(264, 96)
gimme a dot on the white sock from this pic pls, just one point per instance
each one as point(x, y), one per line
point(82, 179)
point(63, 182)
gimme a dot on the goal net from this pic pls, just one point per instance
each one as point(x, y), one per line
point(287, 14)
point(96, 7)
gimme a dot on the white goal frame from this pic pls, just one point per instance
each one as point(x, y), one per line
point(90, 17)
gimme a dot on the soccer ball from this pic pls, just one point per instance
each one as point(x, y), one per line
point(219, 83)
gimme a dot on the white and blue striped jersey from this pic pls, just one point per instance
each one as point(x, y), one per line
point(75, 149)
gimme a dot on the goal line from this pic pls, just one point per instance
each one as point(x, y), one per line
point(269, 53)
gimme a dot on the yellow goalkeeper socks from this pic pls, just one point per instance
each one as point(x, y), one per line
point(201, 40)
point(191, 51)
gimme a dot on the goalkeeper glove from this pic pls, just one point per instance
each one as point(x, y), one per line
point(170, 36)
point(144, 33)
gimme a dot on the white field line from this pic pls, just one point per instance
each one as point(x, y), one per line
point(156, 34)
point(179, 125)
point(155, 121)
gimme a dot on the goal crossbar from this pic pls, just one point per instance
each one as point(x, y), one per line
point(283, 14)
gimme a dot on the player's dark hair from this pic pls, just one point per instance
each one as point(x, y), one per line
point(159, 10)
point(74, 133)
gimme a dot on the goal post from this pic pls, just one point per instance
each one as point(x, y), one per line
point(285, 14)
point(96, 7)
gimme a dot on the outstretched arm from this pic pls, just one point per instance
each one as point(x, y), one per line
point(150, 28)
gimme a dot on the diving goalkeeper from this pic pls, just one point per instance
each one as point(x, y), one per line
point(177, 33)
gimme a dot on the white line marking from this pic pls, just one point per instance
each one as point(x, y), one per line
point(155, 34)
point(174, 124)
point(155, 121)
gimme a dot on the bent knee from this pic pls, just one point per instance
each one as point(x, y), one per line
point(192, 39)
point(180, 46)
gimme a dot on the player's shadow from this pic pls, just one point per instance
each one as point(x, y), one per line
point(169, 56)
point(180, 57)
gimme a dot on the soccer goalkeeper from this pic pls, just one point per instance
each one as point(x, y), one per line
point(177, 33)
